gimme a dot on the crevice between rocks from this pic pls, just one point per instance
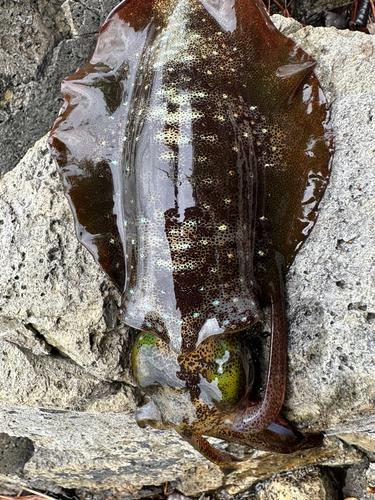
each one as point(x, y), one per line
point(54, 352)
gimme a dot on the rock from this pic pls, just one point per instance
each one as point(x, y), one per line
point(67, 395)
point(309, 484)
point(41, 42)
point(15, 453)
point(303, 9)
point(363, 436)
point(358, 478)
point(330, 286)
point(57, 310)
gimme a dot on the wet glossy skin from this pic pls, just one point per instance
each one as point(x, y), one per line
point(194, 149)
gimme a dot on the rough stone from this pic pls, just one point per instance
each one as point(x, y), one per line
point(360, 482)
point(65, 379)
point(15, 453)
point(302, 9)
point(41, 42)
point(363, 436)
point(309, 484)
point(331, 284)
point(57, 309)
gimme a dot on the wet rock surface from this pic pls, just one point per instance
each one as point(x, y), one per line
point(67, 396)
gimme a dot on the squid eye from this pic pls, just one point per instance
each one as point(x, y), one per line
point(154, 363)
point(225, 369)
point(218, 373)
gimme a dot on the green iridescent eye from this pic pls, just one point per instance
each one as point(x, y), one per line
point(216, 373)
point(154, 363)
point(226, 367)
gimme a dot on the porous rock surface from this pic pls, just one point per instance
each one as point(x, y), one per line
point(308, 484)
point(67, 396)
point(41, 42)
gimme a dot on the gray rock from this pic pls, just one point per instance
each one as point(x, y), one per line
point(331, 284)
point(358, 479)
point(71, 450)
point(15, 453)
point(66, 387)
point(302, 9)
point(41, 42)
point(308, 484)
point(58, 312)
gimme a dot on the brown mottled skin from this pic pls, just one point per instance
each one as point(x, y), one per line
point(194, 148)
